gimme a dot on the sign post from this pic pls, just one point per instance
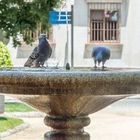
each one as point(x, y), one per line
point(72, 38)
point(62, 17)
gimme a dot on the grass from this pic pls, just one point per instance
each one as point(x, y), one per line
point(17, 107)
point(8, 123)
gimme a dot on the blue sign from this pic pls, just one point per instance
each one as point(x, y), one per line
point(59, 17)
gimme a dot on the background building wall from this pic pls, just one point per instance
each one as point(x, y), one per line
point(80, 32)
point(129, 36)
point(131, 54)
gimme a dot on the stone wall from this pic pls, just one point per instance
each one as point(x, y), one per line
point(1, 104)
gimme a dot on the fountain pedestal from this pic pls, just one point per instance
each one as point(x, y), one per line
point(70, 128)
point(69, 97)
point(66, 119)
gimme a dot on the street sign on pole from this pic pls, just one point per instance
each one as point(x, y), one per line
point(59, 17)
point(63, 17)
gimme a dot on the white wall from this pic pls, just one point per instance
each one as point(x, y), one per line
point(131, 53)
point(80, 36)
point(60, 38)
point(130, 36)
point(80, 33)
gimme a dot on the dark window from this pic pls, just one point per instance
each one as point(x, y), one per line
point(104, 26)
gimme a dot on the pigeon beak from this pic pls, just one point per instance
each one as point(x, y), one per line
point(99, 63)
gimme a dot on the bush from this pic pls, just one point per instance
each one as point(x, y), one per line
point(5, 59)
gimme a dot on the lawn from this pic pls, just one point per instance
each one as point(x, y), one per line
point(17, 107)
point(8, 123)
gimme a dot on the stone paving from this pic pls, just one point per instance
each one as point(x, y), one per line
point(104, 126)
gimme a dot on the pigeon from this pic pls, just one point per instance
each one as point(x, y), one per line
point(40, 54)
point(100, 54)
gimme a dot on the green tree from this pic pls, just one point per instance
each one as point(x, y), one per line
point(20, 16)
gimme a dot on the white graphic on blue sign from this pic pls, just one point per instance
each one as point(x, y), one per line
point(59, 17)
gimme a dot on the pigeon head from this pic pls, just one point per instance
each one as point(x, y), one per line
point(42, 36)
point(99, 57)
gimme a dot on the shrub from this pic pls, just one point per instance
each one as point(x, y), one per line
point(5, 59)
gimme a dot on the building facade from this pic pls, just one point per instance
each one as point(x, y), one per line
point(112, 23)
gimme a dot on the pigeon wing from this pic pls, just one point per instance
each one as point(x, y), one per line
point(34, 55)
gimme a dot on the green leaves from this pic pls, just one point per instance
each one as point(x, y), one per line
point(20, 16)
point(5, 60)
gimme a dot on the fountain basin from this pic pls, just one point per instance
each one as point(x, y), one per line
point(68, 97)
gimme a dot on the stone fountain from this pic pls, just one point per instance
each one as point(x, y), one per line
point(68, 97)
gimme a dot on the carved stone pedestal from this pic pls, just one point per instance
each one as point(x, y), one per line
point(58, 135)
point(67, 128)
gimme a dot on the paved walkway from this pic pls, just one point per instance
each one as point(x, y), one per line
point(33, 132)
point(104, 126)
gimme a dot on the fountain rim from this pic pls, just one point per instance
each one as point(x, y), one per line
point(47, 82)
point(38, 71)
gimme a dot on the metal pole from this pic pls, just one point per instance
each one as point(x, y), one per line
point(67, 40)
point(72, 38)
point(67, 45)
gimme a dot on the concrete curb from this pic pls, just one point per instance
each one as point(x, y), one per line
point(22, 126)
point(25, 114)
point(14, 130)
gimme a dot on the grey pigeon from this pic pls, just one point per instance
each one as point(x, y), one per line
point(40, 54)
point(100, 54)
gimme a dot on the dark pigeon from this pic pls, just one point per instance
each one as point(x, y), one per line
point(100, 54)
point(40, 54)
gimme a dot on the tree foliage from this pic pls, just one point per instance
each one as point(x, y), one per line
point(19, 16)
